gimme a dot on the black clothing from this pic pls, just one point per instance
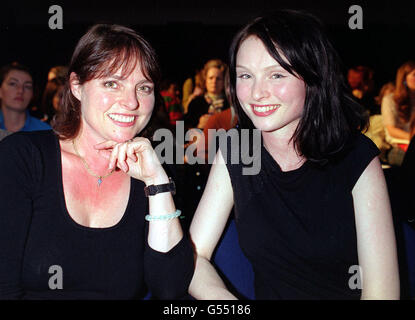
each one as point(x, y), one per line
point(197, 108)
point(37, 233)
point(298, 227)
point(406, 184)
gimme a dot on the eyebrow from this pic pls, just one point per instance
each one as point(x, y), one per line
point(117, 77)
point(266, 68)
point(15, 79)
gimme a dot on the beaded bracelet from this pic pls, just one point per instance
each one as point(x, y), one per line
point(164, 217)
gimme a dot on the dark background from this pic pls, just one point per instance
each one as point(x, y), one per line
point(187, 33)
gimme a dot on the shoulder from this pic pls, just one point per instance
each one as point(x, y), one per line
point(388, 100)
point(27, 139)
point(33, 124)
point(355, 157)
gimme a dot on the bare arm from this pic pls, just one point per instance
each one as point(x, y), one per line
point(207, 226)
point(375, 235)
point(397, 133)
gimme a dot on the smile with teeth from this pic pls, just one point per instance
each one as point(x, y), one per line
point(121, 118)
point(265, 108)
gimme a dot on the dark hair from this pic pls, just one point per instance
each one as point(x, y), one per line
point(52, 87)
point(330, 116)
point(101, 52)
point(4, 70)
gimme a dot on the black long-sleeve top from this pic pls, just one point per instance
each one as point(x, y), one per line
point(45, 254)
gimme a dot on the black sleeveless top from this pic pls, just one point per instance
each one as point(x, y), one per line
point(298, 227)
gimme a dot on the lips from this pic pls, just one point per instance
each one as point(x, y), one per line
point(19, 99)
point(123, 120)
point(264, 110)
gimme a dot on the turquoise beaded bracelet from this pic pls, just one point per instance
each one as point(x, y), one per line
point(164, 217)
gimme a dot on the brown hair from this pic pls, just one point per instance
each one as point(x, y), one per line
point(401, 94)
point(101, 52)
point(4, 70)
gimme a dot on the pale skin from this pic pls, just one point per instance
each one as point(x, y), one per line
point(262, 82)
point(114, 110)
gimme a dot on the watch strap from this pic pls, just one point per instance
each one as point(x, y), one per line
point(154, 189)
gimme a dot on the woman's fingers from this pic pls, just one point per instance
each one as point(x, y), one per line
point(109, 144)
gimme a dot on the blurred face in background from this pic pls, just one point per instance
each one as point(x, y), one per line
point(16, 91)
point(57, 97)
point(355, 79)
point(410, 80)
point(214, 81)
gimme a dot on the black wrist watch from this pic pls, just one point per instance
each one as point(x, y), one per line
point(154, 189)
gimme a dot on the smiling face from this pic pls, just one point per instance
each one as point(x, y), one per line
point(113, 107)
point(270, 96)
point(16, 91)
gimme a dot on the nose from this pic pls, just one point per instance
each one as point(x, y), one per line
point(259, 90)
point(20, 88)
point(130, 100)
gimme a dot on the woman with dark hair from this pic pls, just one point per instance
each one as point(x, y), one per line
point(315, 222)
point(75, 200)
point(16, 92)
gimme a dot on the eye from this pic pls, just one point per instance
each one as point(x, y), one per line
point(28, 87)
point(145, 89)
point(244, 76)
point(110, 84)
point(277, 76)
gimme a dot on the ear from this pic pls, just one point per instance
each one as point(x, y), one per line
point(75, 85)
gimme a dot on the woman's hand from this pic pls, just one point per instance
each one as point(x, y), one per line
point(135, 157)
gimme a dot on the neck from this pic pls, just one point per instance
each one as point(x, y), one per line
point(281, 147)
point(13, 120)
point(214, 96)
point(84, 144)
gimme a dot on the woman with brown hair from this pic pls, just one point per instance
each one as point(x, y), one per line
point(75, 199)
point(397, 110)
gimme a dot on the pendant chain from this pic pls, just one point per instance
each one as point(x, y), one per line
point(100, 178)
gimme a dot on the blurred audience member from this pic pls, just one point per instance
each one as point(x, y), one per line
point(192, 89)
point(16, 92)
point(213, 101)
point(171, 96)
point(360, 79)
point(57, 72)
point(386, 89)
point(397, 110)
point(51, 98)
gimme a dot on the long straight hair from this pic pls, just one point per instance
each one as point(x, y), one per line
point(330, 116)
